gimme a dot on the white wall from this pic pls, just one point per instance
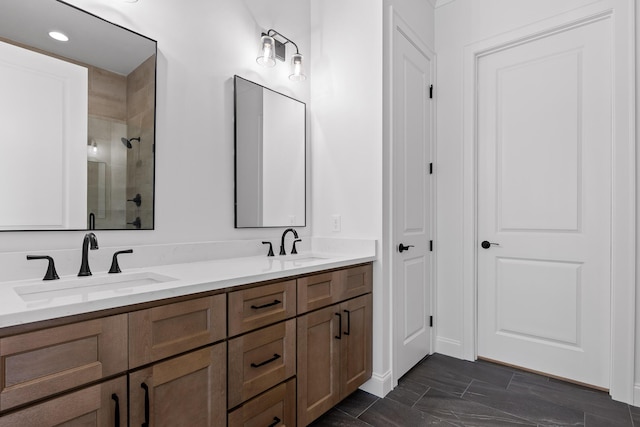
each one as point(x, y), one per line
point(201, 46)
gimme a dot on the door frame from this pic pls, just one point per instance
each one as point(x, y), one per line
point(396, 23)
point(623, 213)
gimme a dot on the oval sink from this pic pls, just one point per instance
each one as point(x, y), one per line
point(89, 287)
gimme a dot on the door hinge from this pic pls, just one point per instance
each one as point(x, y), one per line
point(430, 168)
point(431, 92)
point(430, 245)
point(431, 321)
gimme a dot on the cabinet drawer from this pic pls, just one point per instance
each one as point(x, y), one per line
point(356, 281)
point(98, 405)
point(160, 332)
point(261, 306)
point(42, 363)
point(277, 407)
point(319, 290)
point(261, 359)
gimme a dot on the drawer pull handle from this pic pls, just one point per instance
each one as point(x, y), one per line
point(275, 357)
point(339, 336)
point(117, 410)
point(258, 307)
point(275, 422)
point(348, 331)
point(146, 404)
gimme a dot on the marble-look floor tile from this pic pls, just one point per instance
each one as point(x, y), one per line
point(635, 415)
point(389, 413)
point(529, 407)
point(479, 370)
point(442, 379)
point(356, 403)
point(581, 398)
point(407, 392)
point(459, 411)
point(337, 418)
point(591, 420)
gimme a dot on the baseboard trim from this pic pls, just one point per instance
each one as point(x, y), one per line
point(636, 395)
point(449, 347)
point(378, 384)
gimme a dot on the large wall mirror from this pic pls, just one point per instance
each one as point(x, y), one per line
point(270, 147)
point(77, 141)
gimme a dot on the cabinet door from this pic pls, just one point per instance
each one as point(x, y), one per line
point(276, 407)
point(42, 363)
point(319, 290)
point(261, 306)
point(165, 331)
point(101, 405)
point(318, 363)
point(189, 390)
point(356, 281)
point(355, 351)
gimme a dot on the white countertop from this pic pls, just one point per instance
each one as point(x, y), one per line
point(43, 300)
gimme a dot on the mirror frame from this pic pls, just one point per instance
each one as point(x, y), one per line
point(235, 156)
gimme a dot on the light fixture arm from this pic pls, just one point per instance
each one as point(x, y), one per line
point(273, 32)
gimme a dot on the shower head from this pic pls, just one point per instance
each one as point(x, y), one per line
point(127, 142)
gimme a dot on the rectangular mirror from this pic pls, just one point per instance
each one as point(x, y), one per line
point(77, 145)
point(270, 157)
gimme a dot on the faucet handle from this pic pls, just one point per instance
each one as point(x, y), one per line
point(293, 250)
point(270, 253)
point(51, 273)
point(115, 268)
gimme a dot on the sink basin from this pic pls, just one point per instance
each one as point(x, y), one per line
point(305, 259)
point(89, 288)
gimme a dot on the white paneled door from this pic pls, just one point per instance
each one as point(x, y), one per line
point(544, 201)
point(411, 202)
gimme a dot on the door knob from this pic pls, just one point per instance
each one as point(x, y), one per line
point(486, 244)
point(403, 248)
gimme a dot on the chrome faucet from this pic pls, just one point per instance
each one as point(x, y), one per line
point(295, 234)
point(90, 241)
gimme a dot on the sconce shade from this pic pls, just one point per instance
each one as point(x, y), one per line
point(297, 71)
point(266, 55)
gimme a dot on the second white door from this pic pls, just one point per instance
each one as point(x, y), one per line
point(544, 196)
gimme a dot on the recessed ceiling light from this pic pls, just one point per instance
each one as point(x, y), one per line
point(58, 36)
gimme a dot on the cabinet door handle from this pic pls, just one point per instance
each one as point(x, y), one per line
point(146, 404)
point(258, 307)
point(117, 410)
point(275, 357)
point(339, 336)
point(348, 331)
point(275, 422)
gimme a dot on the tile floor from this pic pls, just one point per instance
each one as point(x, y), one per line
point(443, 391)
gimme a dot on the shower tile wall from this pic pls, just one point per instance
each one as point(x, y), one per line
point(107, 124)
point(140, 123)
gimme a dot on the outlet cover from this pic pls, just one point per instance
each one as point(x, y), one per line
point(336, 223)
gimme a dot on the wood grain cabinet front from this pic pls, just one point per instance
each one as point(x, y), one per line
point(261, 306)
point(334, 355)
point(39, 364)
point(260, 360)
point(188, 390)
point(167, 330)
point(276, 407)
point(101, 405)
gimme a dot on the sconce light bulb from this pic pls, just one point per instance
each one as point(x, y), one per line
point(297, 72)
point(267, 54)
point(93, 148)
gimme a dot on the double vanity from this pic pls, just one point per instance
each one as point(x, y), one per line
point(243, 341)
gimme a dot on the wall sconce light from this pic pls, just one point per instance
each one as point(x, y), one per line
point(272, 49)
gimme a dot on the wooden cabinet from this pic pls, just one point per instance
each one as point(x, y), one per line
point(253, 308)
point(46, 362)
point(189, 390)
point(260, 360)
point(160, 332)
point(101, 405)
point(276, 407)
point(334, 348)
